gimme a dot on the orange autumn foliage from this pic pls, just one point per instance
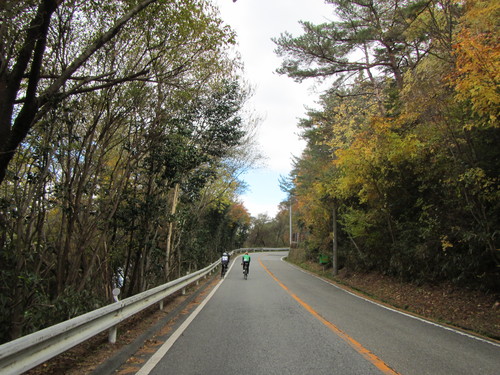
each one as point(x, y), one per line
point(477, 52)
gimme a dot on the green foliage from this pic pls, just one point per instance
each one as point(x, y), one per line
point(69, 304)
point(268, 232)
point(129, 177)
point(383, 32)
point(415, 182)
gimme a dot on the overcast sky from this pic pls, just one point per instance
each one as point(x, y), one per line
point(278, 100)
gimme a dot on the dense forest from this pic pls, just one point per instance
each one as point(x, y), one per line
point(122, 140)
point(403, 149)
point(123, 136)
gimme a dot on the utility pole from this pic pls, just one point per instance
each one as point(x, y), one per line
point(290, 223)
point(335, 269)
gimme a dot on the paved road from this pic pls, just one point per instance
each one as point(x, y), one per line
point(285, 321)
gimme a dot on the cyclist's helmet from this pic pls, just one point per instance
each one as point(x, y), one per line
point(224, 253)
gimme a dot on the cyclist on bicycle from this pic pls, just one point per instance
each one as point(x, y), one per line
point(224, 261)
point(245, 261)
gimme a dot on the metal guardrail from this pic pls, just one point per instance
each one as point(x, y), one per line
point(23, 354)
point(261, 249)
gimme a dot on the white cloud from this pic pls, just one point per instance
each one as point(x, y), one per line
point(255, 209)
point(278, 99)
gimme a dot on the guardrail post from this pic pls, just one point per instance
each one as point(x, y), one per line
point(184, 289)
point(28, 351)
point(161, 305)
point(112, 334)
point(114, 330)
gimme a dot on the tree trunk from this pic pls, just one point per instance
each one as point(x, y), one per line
point(33, 50)
point(168, 249)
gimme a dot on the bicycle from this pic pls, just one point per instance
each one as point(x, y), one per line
point(223, 270)
point(245, 270)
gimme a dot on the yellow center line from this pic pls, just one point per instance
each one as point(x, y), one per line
point(344, 336)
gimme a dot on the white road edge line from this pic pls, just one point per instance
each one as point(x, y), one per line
point(160, 353)
point(394, 310)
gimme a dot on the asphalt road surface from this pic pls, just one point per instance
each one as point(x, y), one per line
point(285, 321)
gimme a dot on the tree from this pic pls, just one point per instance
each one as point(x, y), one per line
point(416, 184)
point(371, 42)
point(47, 57)
point(477, 76)
point(369, 35)
point(115, 158)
